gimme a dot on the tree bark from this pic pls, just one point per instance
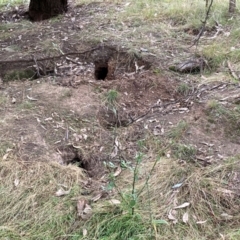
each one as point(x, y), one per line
point(43, 9)
point(232, 6)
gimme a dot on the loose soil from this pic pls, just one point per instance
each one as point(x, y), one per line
point(62, 113)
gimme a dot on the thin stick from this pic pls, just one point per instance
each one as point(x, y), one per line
point(37, 67)
point(232, 72)
point(204, 25)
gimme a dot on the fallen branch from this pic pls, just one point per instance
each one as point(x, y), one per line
point(51, 58)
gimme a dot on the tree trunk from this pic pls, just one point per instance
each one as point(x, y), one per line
point(44, 9)
point(232, 6)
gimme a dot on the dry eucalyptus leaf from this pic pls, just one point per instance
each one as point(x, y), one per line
point(85, 136)
point(116, 142)
point(178, 185)
point(115, 152)
point(185, 217)
point(97, 197)
point(80, 206)
point(62, 192)
point(223, 190)
point(5, 156)
point(87, 212)
point(171, 216)
point(226, 216)
point(84, 210)
point(31, 98)
point(16, 182)
point(84, 232)
point(201, 222)
point(117, 172)
point(184, 205)
point(114, 202)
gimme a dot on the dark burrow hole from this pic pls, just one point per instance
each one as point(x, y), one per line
point(77, 160)
point(71, 155)
point(101, 71)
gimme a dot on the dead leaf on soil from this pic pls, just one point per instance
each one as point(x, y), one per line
point(118, 144)
point(184, 205)
point(117, 172)
point(185, 217)
point(84, 232)
point(14, 100)
point(178, 185)
point(114, 202)
point(226, 216)
point(201, 222)
point(84, 210)
point(16, 182)
point(62, 192)
point(31, 98)
point(115, 152)
point(5, 156)
point(85, 136)
point(223, 190)
point(172, 216)
point(97, 197)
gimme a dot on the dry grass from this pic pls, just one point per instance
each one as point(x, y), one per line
point(214, 201)
point(29, 207)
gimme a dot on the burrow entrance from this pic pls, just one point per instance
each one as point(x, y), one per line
point(101, 71)
point(72, 155)
point(99, 63)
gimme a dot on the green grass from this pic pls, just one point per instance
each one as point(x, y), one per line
point(3, 100)
point(116, 226)
point(26, 105)
point(111, 97)
point(13, 2)
point(184, 152)
point(4, 147)
point(22, 74)
point(178, 131)
point(226, 116)
point(179, 12)
point(184, 89)
point(206, 189)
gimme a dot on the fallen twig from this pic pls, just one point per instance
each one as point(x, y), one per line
point(232, 72)
point(37, 67)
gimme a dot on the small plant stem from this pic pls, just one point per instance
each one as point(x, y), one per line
point(149, 206)
point(135, 174)
point(148, 177)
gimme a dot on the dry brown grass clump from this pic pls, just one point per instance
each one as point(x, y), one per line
point(30, 208)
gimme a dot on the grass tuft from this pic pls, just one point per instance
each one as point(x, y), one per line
point(29, 207)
